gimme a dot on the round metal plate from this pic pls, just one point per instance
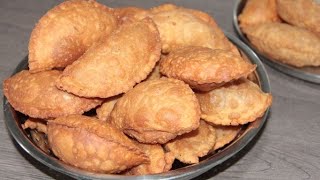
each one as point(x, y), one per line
point(311, 74)
point(14, 120)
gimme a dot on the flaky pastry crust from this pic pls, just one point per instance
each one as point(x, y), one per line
point(128, 13)
point(65, 32)
point(288, 44)
point(155, 73)
point(238, 103)
point(104, 111)
point(93, 145)
point(160, 161)
point(301, 13)
point(180, 26)
point(224, 135)
point(115, 65)
point(257, 12)
point(189, 147)
point(203, 68)
point(35, 95)
point(156, 111)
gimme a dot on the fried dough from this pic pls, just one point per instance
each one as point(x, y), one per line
point(35, 95)
point(190, 146)
point(155, 73)
point(93, 145)
point(104, 111)
point(38, 131)
point(235, 104)
point(115, 65)
point(258, 11)
point(38, 124)
point(224, 135)
point(160, 161)
point(203, 68)
point(288, 44)
point(180, 26)
point(128, 13)
point(156, 111)
point(301, 13)
point(65, 32)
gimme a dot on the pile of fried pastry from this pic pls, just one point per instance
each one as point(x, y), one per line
point(165, 84)
point(287, 31)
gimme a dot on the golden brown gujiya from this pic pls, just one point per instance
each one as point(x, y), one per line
point(116, 64)
point(188, 147)
point(160, 161)
point(93, 145)
point(36, 95)
point(258, 11)
point(203, 68)
point(180, 26)
point(156, 111)
point(285, 43)
point(234, 104)
point(65, 32)
point(301, 13)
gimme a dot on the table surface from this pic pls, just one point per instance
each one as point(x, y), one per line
point(287, 148)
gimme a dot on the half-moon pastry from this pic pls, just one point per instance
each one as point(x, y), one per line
point(93, 145)
point(65, 32)
point(36, 95)
point(237, 103)
point(203, 68)
point(116, 64)
point(288, 44)
point(156, 111)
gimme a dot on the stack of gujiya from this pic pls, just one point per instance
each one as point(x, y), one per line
point(284, 30)
point(166, 84)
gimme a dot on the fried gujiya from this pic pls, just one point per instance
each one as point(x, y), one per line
point(65, 32)
point(238, 103)
point(93, 145)
point(116, 64)
point(36, 95)
point(156, 111)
